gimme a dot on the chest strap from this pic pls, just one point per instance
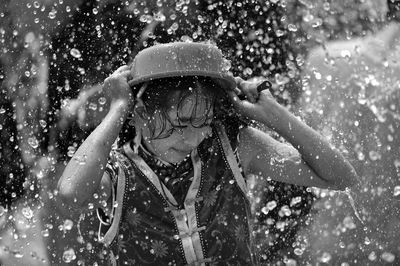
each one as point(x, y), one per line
point(117, 206)
point(231, 159)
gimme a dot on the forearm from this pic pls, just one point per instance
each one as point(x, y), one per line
point(328, 163)
point(82, 176)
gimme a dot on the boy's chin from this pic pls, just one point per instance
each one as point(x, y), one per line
point(176, 157)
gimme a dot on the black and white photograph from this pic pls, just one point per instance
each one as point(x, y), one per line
point(199, 132)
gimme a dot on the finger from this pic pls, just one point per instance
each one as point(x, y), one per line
point(234, 99)
point(122, 68)
point(250, 91)
point(238, 80)
point(126, 73)
point(243, 88)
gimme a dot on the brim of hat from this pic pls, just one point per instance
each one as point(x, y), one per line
point(226, 81)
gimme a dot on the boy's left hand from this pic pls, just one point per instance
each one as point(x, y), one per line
point(258, 104)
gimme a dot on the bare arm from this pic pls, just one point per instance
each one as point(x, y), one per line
point(85, 172)
point(313, 162)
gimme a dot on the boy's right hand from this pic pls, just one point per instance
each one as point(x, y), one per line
point(117, 89)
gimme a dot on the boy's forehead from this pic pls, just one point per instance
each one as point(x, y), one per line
point(193, 103)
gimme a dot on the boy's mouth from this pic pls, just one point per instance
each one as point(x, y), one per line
point(185, 151)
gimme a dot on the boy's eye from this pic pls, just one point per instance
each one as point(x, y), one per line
point(179, 126)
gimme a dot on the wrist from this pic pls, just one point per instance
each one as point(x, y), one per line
point(275, 116)
point(120, 108)
point(119, 104)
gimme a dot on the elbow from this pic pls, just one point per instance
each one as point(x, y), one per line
point(353, 181)
point(350, 180)
point(67, 194)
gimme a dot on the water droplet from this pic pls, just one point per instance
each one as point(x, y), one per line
point(33, 142)
point(385, 63)
point(280, 33)
point(81, 70)
point(69, 255)
point(298, 251)
point(362, 100)
point(271, 205)
point(292, 27)
point(80, 159)
point(18, 254)
point(345, 53)
point(348, 222)
point(159, 16)
point(27, 213)
point(95, 11)
point(388, 257)
point(285, 211)
point(396, 191)
point(316, 23)
point(308, 17)
point(325, 258)
point(367, 241)
point(102, 100)
point(174, 56)
point(52, 14)
point(36, 4)
point(396, 163)
point(75, 53)
point(226, 65)
point(143, 18)
point(360, 155)
point(295, 200)
point(45, 233)
point(71, 151)
point(68, 224)
point(42, 123)
point(2, 110)
point(281, 79)
point(317, 75)
point(373, 155)
point(372, 256)
point(92, 106)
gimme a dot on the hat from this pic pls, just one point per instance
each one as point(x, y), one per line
point(179, 59)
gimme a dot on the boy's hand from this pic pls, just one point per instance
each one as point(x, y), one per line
point(258, 103)
point(116, 87)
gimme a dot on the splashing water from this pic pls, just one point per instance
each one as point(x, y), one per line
point(69, 255)
point(353, 205)
point(75, 53)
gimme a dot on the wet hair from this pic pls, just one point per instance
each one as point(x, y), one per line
point(158, 99)
point(160, 93)
point(393, 13)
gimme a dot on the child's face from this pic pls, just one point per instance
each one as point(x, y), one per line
point(181, 137)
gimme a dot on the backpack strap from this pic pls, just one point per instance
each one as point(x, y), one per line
point(230, 157)
point(117, 204)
